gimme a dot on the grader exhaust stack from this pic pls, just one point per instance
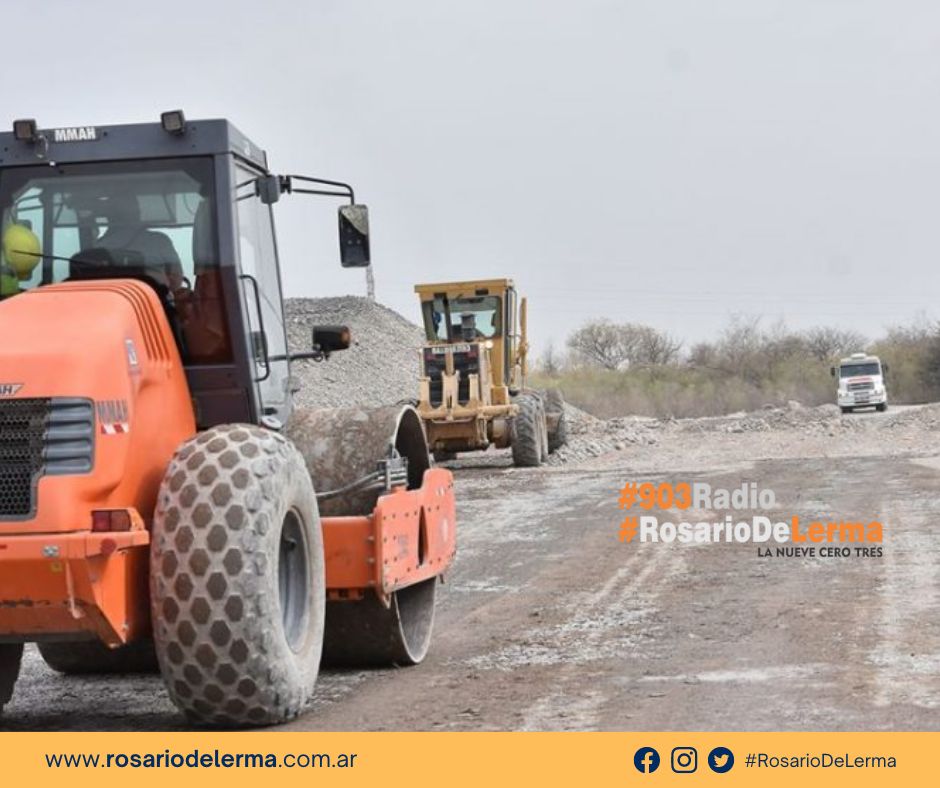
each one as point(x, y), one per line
point(474, 369)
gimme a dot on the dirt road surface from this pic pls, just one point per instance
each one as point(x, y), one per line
point(548, 621)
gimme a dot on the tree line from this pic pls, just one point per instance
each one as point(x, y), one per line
point(616, 369)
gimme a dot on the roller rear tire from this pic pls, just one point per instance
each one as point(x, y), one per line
point(11, 654)
point(93, 656)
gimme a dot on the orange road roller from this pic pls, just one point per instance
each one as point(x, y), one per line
point(162, 505)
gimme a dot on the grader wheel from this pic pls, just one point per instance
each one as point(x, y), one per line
point(237, 578)
point(555, 418)
point(529, 441)
point(340, 446)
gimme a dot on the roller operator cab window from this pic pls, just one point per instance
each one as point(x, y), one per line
point(150, 220)
point(260, 278)
point(462, 319)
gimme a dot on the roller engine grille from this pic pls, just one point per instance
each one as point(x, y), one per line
point(39, 437)
point(22, 436)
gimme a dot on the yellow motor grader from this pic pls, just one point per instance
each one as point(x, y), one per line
point(473, 391)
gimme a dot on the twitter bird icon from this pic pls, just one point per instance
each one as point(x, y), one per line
point(720, 760)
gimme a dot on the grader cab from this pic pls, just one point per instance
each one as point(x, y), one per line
point(162, 504)
point(474, 369)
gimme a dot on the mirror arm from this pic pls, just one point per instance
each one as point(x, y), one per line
point(314, 355)
point(287, 185)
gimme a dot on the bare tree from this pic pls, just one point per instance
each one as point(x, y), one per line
point(916, 334)
point(703, 354)
point(551, 361)
point(603, 343)
point(828, 342)
point(929, 367)
point(739, 345)
point(616, 345)
point(656, 347)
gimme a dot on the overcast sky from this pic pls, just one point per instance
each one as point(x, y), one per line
point(663, 161)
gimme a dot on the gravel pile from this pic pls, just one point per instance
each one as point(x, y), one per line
point(590, 437)
point(926, 418)
point(380, 369)
point(776, 428)
point(823, 418)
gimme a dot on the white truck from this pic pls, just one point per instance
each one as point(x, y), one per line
point(861, 382)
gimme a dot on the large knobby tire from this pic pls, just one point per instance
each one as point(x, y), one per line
point(93, 656)
point(237, 578)
point(555, 409)
point(11, 654)
point(528, 432)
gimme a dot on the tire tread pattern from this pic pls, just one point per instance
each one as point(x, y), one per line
point(215, 605)
point(527, 432)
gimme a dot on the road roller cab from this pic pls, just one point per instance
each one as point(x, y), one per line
point(160, 498)
point(473, 391)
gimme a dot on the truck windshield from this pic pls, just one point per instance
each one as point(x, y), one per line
point(151, 216)
point(865, 368)
point(462, 319)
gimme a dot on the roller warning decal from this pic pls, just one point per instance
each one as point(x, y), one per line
point(113, 417)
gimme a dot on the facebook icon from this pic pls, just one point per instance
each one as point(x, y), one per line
point(646, 760)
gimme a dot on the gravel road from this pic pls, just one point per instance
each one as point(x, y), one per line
point(548, 621)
